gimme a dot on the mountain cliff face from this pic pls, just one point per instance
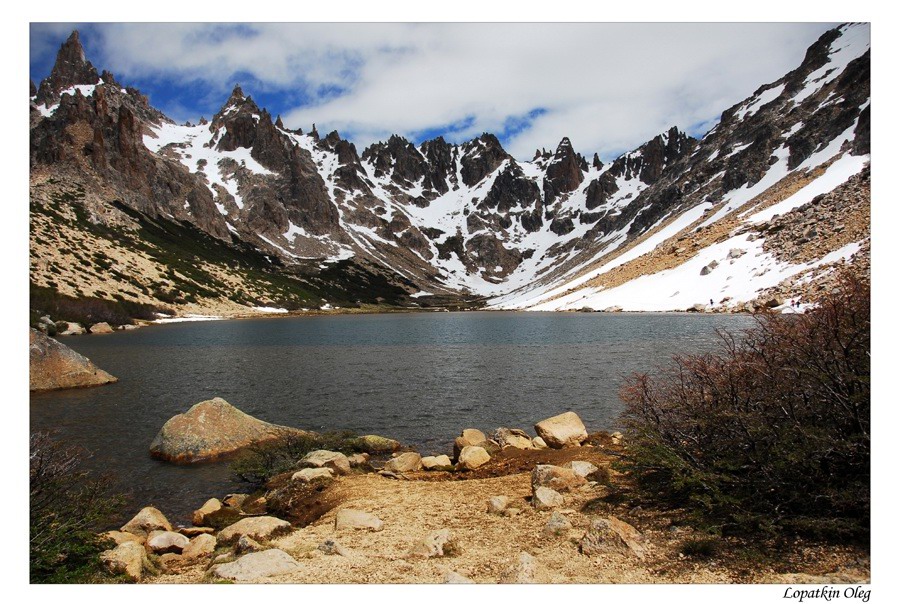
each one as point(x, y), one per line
point(558, 232)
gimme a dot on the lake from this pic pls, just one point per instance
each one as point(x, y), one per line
point(420, 378)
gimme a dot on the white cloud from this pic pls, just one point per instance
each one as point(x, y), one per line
point(609, 87)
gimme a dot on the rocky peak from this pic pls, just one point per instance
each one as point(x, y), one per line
point(71, 69)
point(564, 172)
point(650, 160)
point(480, 157)
point(596, 163)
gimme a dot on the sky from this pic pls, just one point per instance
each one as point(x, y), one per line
point(608, 87)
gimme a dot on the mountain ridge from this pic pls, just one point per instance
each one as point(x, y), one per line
point(448, 219)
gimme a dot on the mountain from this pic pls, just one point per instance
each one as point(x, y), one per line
point(241, 212)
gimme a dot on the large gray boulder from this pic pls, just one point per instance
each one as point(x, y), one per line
point(563, 430)
point(167, 542)
point(54, 366)
point(611, 535)
point(258, 565)
point(212, 429)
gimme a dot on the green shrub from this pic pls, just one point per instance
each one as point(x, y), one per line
point(67, 506)
point(258, 463)
point(771, 434)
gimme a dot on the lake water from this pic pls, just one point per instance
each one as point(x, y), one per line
point(420, 378)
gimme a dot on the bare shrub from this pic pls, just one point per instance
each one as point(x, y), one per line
point(772, 432)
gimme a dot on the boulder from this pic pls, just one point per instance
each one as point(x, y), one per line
point(357, 519)
point(100, 328)
point(211, 506)
point(372, 443)
point(130, 559)
point(258, 565)
point(200, 546)
point(235, 500)
point(557, 526)
point(512, 437)
point(166, 542)
point(582, 468)
point(436, 462)
point(564, 430)
point(146, 521)
point(610, 534)
point(436, 544)
point(212, 429)
point(261, 528)
point(326, 459)
point(472, 457)
point(538, 443)
point(554, 477)
point(53, 366)
point(311, 474)
point(616, 438)
point(405, 462)
point(119, 537)
point(171, 560)
point(65, 328)
point(546, 499)
point(497, 505)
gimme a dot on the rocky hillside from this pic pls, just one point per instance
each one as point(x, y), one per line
point(240, 212)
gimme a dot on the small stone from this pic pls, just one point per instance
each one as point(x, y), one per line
point(557, 478)
point(472, 457)
point(258, 565)
point(526, 570)
point(582, 468)
point(612, 535)
point(357, 519)
point(164, 542)
point(201, 546)
point(358, 459)
point(454, 577)
point(260, 528)
point(171, 560)
point(199, 516)
point(332, 548)
point(546, 499)
point(512, 437)
point(326, 459)
point(372, 443)
point(100, 328)
point(616, 438)
point(245, 545)
point(538, 443)
point(436, 544)
point(511, 512)
point(129, 558)
point(311, 474)
point(497, 504)
point(405, 462)
point(69, 329)
point(235, 500)
point(146, 521)
point(436, 462)
point(557, 526)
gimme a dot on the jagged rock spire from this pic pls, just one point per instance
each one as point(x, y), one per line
point(71, 69)
point(596, 162)
point(564, 173)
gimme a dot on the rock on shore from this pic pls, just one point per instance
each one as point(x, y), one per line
point(212, 429)
point(53, 366)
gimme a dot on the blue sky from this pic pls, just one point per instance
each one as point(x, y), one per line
point(608, 87)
